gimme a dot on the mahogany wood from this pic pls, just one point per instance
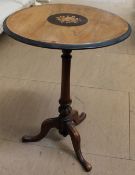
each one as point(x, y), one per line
point(67, 118)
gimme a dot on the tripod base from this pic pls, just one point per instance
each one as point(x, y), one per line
point(66, 126)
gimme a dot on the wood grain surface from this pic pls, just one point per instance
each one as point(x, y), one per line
point(32, 27)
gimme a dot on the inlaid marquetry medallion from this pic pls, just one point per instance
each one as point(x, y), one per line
point(67, 19)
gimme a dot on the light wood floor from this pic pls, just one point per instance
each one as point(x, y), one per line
point(103, 85)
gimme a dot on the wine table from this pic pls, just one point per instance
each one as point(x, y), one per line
point(66, 27)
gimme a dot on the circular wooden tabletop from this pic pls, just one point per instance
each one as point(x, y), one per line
point(66, 26)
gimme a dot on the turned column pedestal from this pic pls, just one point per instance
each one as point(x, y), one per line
point(68, 118)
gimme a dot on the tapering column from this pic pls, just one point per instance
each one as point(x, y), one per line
point(65, 100)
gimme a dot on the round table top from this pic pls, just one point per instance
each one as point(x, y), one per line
point(66, 26)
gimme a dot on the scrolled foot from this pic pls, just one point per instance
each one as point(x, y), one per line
point(75, 137)
point(36, 138)
point(79, 118)
point(45, 127)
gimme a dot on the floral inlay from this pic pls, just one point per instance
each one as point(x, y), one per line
point(68, 19)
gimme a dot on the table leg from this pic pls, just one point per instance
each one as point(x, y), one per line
point(67, 118)
point(76, 140)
